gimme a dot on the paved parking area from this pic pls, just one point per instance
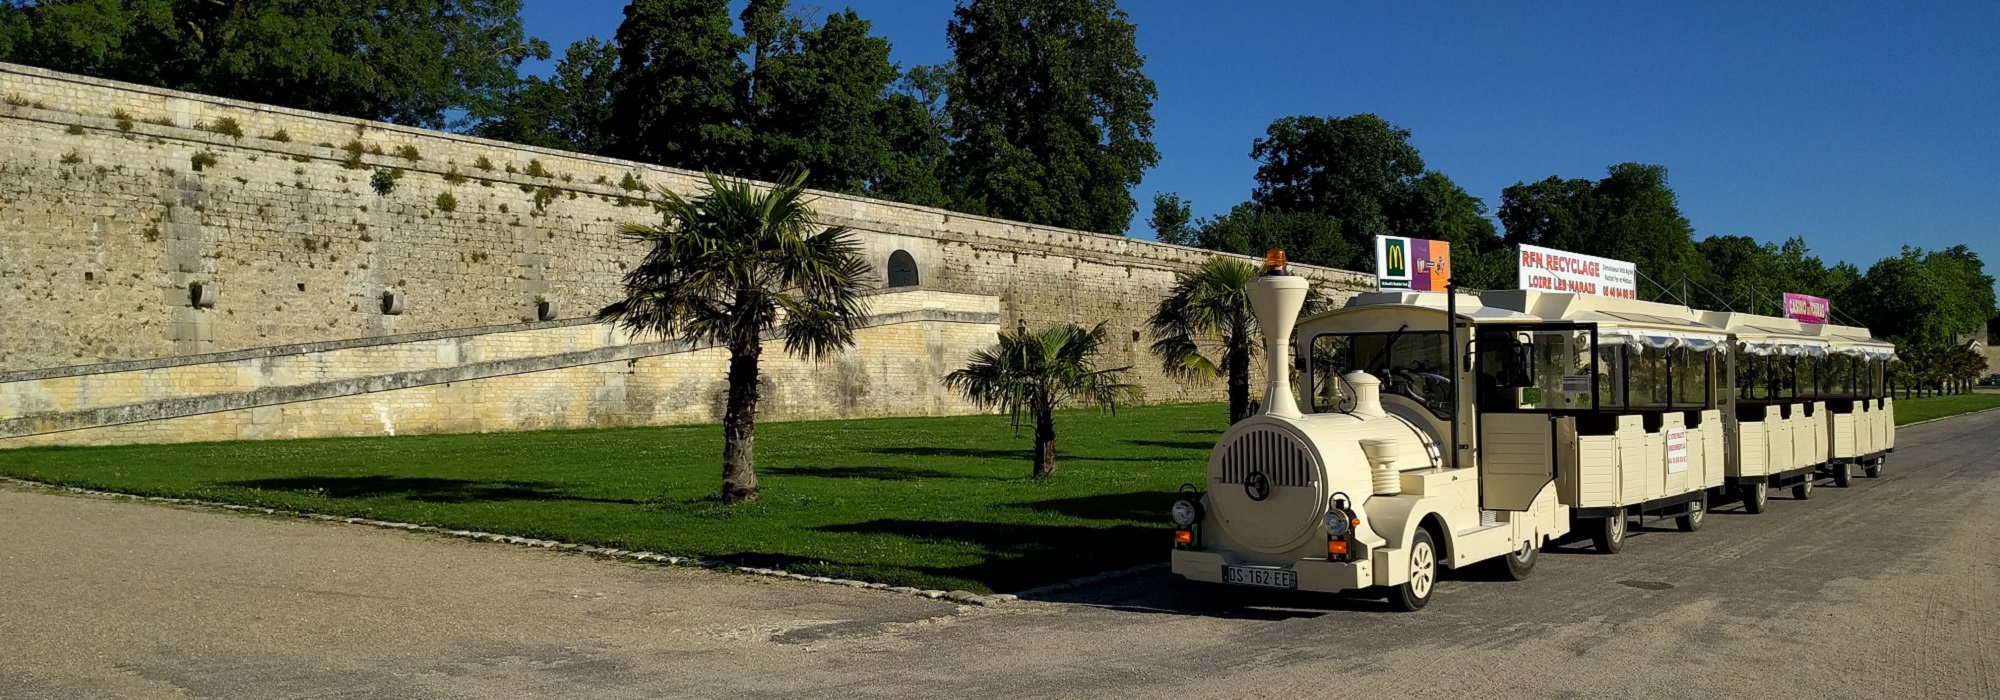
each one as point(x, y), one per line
point(1887, 589)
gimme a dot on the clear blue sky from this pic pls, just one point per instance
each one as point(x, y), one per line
point(1860, 126)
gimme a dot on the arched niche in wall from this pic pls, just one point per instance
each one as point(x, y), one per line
point(902, 270)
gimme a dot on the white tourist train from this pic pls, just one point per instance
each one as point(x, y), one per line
point(1442, 430)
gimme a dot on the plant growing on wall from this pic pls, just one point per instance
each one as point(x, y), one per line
point(1030, 374)
point(731, 264)
point(1209, 306)
point(384, 180)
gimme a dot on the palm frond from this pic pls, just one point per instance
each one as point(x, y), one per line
point(739, 260)
point(1054, 366)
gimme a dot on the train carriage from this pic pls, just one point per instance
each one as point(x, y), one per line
point(1782, 430)
point(1861, 417)
point(1639, 431)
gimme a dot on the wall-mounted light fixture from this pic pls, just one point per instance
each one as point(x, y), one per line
point(545, 308)
point(392, 303)
point(203, 294)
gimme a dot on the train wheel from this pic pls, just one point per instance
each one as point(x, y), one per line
point(1610, 535)
point(1803, 491)
point(1873, 470)
point(1755, 496)
point(1414, 595)
point(1519, 563)
point(1691, 521)
point(1843, 474)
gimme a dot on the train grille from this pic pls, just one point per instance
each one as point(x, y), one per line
point(1282, 459)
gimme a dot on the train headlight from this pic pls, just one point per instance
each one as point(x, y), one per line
point(1185, 512)
point(1338, 524)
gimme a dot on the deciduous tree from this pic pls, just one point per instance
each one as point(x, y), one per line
point(817, 99)
point(1631, 214)
point(418, 62)
point(1352, 169)
point(1306, 237)
point(1051, 114)
point(1173, 220)
point(1434, 207)
point(570, 110)
point(678, 93)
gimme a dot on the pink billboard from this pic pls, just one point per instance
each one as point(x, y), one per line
point(1807, 309)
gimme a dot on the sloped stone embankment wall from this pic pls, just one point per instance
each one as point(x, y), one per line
point(116, 200)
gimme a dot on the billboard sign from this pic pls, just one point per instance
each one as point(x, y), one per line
point(1807, 309)
point(1411, 263)
point(1550, 270)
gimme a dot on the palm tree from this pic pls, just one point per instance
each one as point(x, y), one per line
point(731, 265)
point(1029, 375)
point(1210, 305)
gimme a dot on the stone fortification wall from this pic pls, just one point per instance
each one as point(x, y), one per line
point(118, 201)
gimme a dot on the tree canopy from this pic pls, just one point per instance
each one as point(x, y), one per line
point(1925, 298)
point(571, 110)
point(1327, 186)
point(1050, 114)
point(680, 85)
point(419, 62)
point(1351, 169)
point(1631, 214)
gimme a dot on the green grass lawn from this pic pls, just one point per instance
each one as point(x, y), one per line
point(929, 502)
point(1913, 410)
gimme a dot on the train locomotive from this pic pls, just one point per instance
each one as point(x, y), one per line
point(1433, 431)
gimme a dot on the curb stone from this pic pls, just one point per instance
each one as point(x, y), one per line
point(959, 596)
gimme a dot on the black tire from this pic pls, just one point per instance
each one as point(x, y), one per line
point(1609, 534)
point(1755, 496)
point(1691, 521)
point(1414, 594)
point(1803, 490)
point(1873, 470)
point(1843, 475)
point(1516, 565)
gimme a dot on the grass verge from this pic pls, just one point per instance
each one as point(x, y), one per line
point(1934, 407)
point(930, 502)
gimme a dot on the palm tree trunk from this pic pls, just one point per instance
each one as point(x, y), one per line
point(739, 423)
point(1045, 443)
point(1236, 360)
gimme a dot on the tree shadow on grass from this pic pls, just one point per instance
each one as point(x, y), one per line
point(877, 473)
point(1143, 506)
point(1022, 453)
point(418, 488)
point(1203, 446)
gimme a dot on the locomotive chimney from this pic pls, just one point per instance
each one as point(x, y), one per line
point(1276, 299)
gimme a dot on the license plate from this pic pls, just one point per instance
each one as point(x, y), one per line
point(1266, 577)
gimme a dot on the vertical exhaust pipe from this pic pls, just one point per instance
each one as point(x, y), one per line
point(1276, 299)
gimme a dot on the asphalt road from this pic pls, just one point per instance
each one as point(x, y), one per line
point(1887, 589)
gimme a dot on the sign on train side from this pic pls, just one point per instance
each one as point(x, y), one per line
point(1411, 263)
point(1551, 270)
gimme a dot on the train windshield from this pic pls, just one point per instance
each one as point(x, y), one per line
point(1549, 367)
point(1411, 364)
